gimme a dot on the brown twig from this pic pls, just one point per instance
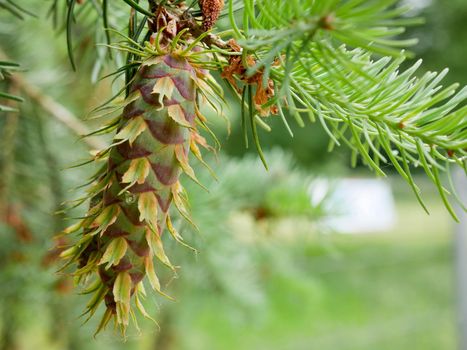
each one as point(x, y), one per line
point(153, 5)
point(57, 110)
point(197, 30)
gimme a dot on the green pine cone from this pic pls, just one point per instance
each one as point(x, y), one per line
point(132, 195)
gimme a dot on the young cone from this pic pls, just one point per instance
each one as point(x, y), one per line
point(131, 198)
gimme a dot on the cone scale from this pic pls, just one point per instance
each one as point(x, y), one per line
point(121, 233)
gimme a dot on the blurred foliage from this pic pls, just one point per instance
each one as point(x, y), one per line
point(309, 144)
point(441, 39)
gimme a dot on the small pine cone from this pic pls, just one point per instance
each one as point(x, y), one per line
point(211, 10)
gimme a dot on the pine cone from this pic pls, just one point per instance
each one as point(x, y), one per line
point(132, 195)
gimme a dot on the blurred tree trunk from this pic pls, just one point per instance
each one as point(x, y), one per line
point(166, 337)
point(8, 331)
point(461, 260)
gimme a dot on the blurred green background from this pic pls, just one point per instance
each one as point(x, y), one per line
point(266, 275)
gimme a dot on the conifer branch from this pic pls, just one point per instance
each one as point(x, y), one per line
point(383, 114)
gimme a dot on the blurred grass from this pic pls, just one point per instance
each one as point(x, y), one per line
point(381, 291)
point(376, 291)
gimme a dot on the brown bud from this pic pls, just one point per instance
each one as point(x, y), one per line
point(211, 10)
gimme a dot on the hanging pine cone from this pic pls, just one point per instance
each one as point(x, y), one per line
point(121, 233)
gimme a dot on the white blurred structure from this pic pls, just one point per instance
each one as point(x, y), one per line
point(357, 205)
point(416, 6)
